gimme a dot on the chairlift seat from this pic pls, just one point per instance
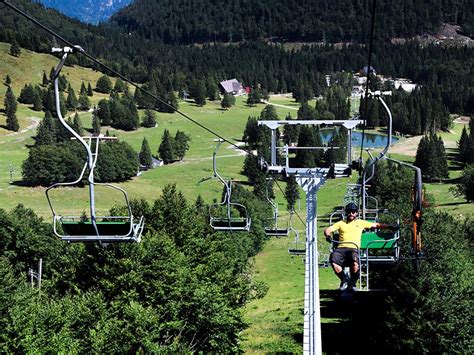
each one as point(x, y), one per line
point(104, 228)
point(230, 224)
point(296, 250)
point(276, 232)
point(74, 230)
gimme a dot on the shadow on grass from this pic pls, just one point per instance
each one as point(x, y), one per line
point(20, 183)
point(454, 203)
point(353, 320)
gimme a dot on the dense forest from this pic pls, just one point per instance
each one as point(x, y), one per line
point(332, 21)
point(444, 71)
point(180, 290)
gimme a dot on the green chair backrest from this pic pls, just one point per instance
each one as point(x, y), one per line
point(378, 240)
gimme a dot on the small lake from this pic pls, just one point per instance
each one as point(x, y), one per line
point(370, 140)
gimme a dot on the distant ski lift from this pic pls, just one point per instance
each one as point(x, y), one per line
point(296, 247)
point(272, 229)
point(93, 228)
point(226, 215)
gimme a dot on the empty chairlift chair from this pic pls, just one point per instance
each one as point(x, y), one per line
point(226, 215)
point(92, 228)
point(296, 247)
point(272, 228)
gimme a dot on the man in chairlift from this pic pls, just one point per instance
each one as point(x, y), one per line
point(346, 253)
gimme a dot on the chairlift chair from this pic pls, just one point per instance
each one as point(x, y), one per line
point(235, 216)
point(272, 229)
point(77, 228)
point(296, 247)
point(376, 247)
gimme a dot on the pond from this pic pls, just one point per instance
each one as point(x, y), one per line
point(371, 140)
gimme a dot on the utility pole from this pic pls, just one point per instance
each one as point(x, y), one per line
point(10, 166)
point(36, 275)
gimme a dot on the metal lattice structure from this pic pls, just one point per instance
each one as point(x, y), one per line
point(310, 179)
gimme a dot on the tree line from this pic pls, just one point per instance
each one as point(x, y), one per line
point(466, 155)
point(180, 290)
point(257, 64)
point(333, 21)
point(424, 302)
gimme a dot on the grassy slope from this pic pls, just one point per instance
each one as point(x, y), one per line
point(276, 320)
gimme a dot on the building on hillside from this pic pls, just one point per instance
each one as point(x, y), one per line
point(232, 86)
point(405, 84)
point(154, 164)
point(357, 90)
point(364, 70)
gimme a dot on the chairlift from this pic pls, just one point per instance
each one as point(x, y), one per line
point(226, 215)
point(296, 247)
point(272, 229)
point(81, 228)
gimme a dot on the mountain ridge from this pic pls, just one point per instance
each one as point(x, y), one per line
point(88, 11)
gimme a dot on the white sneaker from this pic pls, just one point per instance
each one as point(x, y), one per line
point(354, 287)
point(344, 285)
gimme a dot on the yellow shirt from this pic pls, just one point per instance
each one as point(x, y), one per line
point(350, 232)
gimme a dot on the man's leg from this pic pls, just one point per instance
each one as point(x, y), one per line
point(354, 270)
point(337, 260)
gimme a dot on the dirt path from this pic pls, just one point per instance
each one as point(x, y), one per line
point(406, 146)
point(288, 107)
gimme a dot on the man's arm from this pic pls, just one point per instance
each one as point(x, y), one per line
point(327, 233)
point(383, 226)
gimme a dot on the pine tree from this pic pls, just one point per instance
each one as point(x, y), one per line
point(308, 137)
point(306, 112)
point(269, 113)
point(119, 85)
point(291, 132)
point(12, 122)
point(254, 97)
point(27, 95)
point(227, 101)
point(338, 141)
point(45, 80)
point(166, 149)
point(250, 136)
point(83, 89)
point(71, 99)
point(104, 85)
point(10, 110)
point(149, 120)
point(441, 162)
point(292, 193)
point(8, 80)
point(46, 131)
point(103, 112)
point(172, 101)
point(62, 83)
point(212, 90)
point(199, 93)
point(181, 140)
point(466, 187)
point(84, 103)
point(37, 99)
point(145, 154)
point(90, 93)
point(95, 123)
point(15, 49)
point(431, 158)
point(77, 124)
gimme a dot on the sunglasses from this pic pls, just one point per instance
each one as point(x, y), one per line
point(353, 212)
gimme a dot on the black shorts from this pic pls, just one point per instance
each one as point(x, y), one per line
point(344, 257)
